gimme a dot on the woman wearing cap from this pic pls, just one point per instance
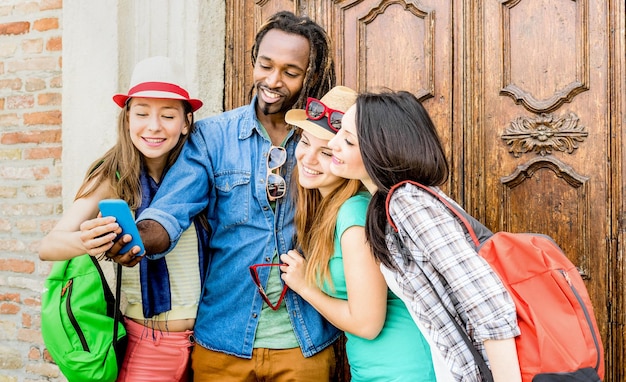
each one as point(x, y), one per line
point(154, 123)
point(338, 274)
point(387, 138)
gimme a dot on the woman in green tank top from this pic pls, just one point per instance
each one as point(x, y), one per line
point(334, 260)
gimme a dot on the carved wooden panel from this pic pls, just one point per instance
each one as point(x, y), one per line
point(401, 45)
point(544, 134)
point(373, 26)
point(559, 198)
point(543, 82)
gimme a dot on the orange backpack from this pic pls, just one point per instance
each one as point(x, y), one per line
point(559, 338)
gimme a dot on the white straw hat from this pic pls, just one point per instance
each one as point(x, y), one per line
point(158, 77)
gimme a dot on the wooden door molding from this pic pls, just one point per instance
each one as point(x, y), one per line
point(616, 351)
point(574, 64)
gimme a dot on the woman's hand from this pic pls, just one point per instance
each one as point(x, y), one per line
point(98, 235)
point(293, 273)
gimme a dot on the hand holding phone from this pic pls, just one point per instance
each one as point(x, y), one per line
point(119, 209)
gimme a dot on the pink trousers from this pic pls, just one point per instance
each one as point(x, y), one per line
point(153, 355)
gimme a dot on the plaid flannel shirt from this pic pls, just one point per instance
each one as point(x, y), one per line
point(442, 252)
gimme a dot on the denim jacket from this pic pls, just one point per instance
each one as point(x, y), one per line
point(223, 168)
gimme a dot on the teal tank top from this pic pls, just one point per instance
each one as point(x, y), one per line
point(400, 352)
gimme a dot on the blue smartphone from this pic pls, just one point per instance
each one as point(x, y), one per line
point(124, 217)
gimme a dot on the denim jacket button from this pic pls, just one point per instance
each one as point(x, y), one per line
point(254, 315)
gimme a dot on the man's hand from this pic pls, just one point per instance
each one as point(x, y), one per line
point(128, 259)
point(155, 240)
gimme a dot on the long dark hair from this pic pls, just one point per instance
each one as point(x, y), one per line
point(320, 75)
point(398, 141)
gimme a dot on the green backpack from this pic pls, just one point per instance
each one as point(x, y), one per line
point(80, 320)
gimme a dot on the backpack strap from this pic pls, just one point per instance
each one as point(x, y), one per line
point(118, 294)
point(117, 314)
point(462, 217)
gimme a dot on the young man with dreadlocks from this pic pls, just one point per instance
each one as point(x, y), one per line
point(238, 166)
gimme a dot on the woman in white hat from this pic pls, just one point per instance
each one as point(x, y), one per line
point(337, 273)
point(154, 123)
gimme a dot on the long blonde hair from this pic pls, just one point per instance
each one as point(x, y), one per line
point(121, 165)
point(316, 219)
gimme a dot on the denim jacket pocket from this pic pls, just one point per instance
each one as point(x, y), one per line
point(233, 193)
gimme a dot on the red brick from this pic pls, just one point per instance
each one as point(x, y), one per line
point(6, 308)
point(29, 335)
point(14, 297)
point(52, 117)
point(44, 136)
point(21, 102)
point(47, 357)
point(46, 24)
point(54, 44)
point(27, 321)
point(24, 173)
point(32, 46)
point(11, 84)
point(1, 103)
point(32, 302)
point(43, 63)
point(9, 120)
point(56, 82)
point(17, 266)
point(34, 84)
point(45, 5)
point(40, 172)
point(47, 225)
point(49, 99)
point(54, 191)
point(19, 27)
point(34, 353)
point(28, 209)
point(27, 226)
point(43, 153)
point(25, 8)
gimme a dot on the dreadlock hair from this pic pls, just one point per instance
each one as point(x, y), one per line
point(320, 75)
point(315, 220)
point(121, 165)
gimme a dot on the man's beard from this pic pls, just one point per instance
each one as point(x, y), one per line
point(266, 110)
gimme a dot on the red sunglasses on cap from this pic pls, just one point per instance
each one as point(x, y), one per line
point(316, 110)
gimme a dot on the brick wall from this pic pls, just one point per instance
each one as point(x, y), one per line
point(30, 177)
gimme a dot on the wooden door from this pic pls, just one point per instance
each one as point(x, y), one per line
point(539, 136)
point(526, 95)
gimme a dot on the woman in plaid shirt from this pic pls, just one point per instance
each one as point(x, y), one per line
point(387, 138)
